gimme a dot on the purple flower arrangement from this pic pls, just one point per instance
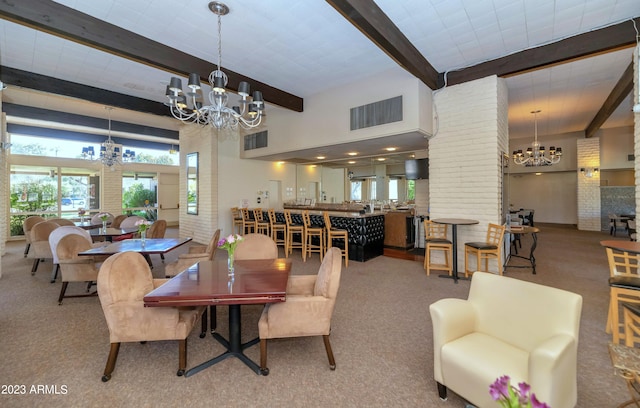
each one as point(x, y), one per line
point(511, 397)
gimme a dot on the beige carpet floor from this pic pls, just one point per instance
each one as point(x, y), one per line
point(382, 340)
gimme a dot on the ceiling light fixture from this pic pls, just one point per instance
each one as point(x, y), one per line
point(352, 153)
point(320, 157)
point(536, 155)
point(110, 154)
point(589, 172)
point(390, 149)
point(187, 107)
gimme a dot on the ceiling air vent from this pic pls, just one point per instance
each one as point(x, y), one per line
point(255, 140)
point(377, 113)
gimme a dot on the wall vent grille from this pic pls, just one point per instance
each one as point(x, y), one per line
point(377, 113)
point(256, 140)
point(631, 157)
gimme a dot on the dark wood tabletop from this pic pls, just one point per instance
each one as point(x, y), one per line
point(622, 245)
point(86, 225)
point(455, 221)
point(111, 232)
point(150, 247)
point(208, 283)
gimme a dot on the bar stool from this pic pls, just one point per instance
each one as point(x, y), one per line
point(339, 234)
point(292, 229)
point(248, 224)
point(436, 240)
point(491, 248)
point(262, 226)
point(277, 228)
point(311, 231)
point(236, 217)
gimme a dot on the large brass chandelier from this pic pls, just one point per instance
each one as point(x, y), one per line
point(188, 107)
point(535, 155)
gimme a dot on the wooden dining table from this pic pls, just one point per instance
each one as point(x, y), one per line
point(208, 283)
point(110, 233)
point(149, 247)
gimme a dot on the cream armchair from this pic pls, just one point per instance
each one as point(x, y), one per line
point(507, 327)
point(123, 281)
point(308, 309)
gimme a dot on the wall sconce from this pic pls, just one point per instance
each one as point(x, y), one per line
point(589, 171)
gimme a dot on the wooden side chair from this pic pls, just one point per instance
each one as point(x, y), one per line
point(278, 229)
point(313, 237)
point(491, 248)
point(293, 229)
point(75, 268)
point(248, 223)
point(337, 234)
point(624, 287)
point(262, 226)
point(436, 240)
point(237, 223)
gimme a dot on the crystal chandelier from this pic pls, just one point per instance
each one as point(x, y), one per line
point(535, 155)
point(188, 107)
point(109, 151)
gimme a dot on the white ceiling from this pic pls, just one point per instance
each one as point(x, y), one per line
point(304, 47)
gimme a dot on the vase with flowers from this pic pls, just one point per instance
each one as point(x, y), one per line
point(104, 218)
point(511, 397)
point(143, 226)
point(81, 213)
point(229, 244)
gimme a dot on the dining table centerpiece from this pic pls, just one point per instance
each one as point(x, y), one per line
point(229, 244)
point(143, 226)
point(511, 397)
point(104, 218)
point(81, 213)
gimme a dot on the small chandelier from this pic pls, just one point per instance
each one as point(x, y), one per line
point(109, 151)
point(188, 107)
point(535, 155)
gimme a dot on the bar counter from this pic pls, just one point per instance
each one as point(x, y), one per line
point(366, 230)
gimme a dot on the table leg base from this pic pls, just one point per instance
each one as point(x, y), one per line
point(229, 353)
point(455, 278)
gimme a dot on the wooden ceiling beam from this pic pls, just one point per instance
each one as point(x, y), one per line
point(606, 39)
point(30, 80)
point(56, 19)
point(615, 98)
point(367, 17)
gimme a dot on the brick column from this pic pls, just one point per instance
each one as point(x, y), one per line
point(111, 189)
point(203, 140)
point(465, 156)
point(588, 152)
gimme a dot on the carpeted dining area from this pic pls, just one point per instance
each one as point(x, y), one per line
point(381, 338)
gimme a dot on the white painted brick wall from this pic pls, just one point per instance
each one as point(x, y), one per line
point(204, 141)
point(588, 152)
point(111, 189)
point(466, 176)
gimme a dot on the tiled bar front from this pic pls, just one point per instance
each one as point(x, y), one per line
point(366, 231)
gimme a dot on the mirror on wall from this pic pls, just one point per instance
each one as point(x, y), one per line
point(192, 183)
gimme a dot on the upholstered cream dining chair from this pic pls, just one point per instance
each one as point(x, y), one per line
point(195, 254)
point(27, 224)
point(40, 242)
point(75, 268)
point(123, 281)
point(256, 246)
point(308, 309)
